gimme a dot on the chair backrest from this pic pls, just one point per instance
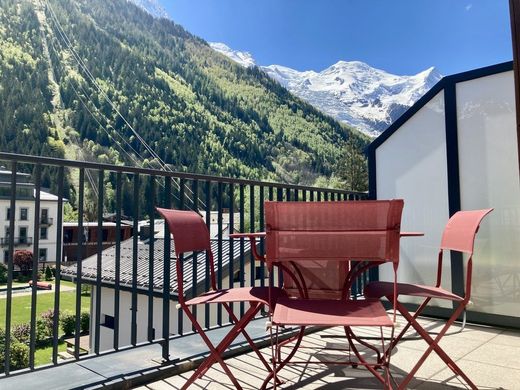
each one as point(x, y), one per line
point(190, 233)
point(316, 240)
point(461, 229)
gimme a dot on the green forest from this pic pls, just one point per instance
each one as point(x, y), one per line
point(89, 79)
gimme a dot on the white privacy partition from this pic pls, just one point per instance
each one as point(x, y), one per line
point(417, 147)
point(457, 149)
point(489, 177)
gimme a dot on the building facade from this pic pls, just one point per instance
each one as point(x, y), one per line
point(25, 218)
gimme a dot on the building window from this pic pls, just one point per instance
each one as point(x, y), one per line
point(107, 321)
point(23, 214)
point(236, 277)
point(43, 233)
point(23, 235)
point(42, 254)
point(45, 216)
point(68, 235)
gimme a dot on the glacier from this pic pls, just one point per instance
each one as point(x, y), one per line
point(352, 92)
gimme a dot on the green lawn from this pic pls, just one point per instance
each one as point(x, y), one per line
point(44, 355)
point(21, 305)
point(21, 312)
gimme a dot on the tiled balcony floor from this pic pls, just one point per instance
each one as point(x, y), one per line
point(490, 357)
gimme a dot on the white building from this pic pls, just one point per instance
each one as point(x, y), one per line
point(25, 217)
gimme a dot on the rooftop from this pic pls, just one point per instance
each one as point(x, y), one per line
point(89, 265)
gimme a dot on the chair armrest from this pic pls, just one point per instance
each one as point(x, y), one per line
point(252, 238)
point(412, 234)
point(247, 235)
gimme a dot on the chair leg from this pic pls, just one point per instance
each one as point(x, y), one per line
point(216, 352)
point(278, 367)
point(351, 335)
point(433, 345)
point(368, 366)
point(246, 335)
point(408, 324)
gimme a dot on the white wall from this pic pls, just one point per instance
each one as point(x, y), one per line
point(125, 316)
point(411, 165)
point(489, 177)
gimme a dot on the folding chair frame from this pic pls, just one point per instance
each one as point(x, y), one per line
point(190, 235)
point(383, 359)
point(454, 238)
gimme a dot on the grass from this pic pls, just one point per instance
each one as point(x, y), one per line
point(21, 305)
point(44, 355)
point(21, 312)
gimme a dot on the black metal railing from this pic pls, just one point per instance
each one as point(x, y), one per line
point(18, 241)
point(46, 221)
point(112, 280)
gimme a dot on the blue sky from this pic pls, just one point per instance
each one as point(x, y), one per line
point(399, 36)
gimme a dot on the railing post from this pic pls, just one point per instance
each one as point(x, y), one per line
point(79, 262)
point(9, 297)
point(36, 255)
point(117, 270)
point(57, 275)
point(166, 275)
point(100, 202)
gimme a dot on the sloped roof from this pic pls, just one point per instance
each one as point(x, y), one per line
point(108, 262)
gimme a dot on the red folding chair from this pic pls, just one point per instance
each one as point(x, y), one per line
point(190, 234)
point(314, 245)
point(459, 235)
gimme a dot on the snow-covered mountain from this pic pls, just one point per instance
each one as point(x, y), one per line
point(244, 58)
point(153, 7)
point(353, 92)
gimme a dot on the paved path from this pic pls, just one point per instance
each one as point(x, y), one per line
point(29, 292)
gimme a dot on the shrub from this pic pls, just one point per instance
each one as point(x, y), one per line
point(48, 273)
point(68, 323)
point(23, 278)
point(3, 273)
point(42, 332)
point(22, 332)
point(48, 318)
point(23, 259)
point(85, 290)
point(44, 326)
point(19, 356)
point(85, 322)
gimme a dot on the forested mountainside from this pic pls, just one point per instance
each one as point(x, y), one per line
point(67, 67)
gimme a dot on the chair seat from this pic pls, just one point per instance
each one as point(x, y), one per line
point(239, 294)
point(328, 312)
point(386, 289)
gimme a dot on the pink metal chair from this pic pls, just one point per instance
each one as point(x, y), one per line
point(459, 235)
point(314, 245)
point(190, 234)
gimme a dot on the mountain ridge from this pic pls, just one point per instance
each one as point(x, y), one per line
point(352, 92)
point(115, 68)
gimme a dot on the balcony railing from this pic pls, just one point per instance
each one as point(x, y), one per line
point(134, 192)
point(17, 241)
point(46, 221)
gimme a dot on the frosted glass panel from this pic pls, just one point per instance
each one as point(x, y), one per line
point(489, 177)
point(411, 165)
